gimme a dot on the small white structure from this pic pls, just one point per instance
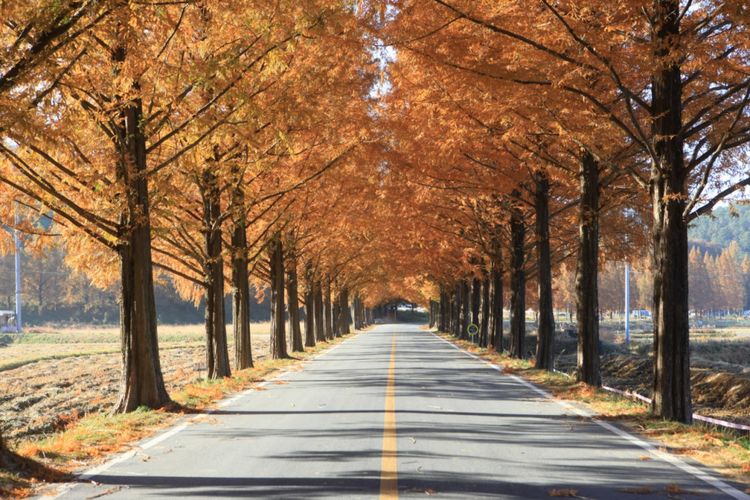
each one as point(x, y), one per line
point(8, 322)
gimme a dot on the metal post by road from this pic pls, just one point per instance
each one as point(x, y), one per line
point(17, 242)
point(627, 303)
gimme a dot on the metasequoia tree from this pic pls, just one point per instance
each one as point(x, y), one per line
point(669, 75)
point(439, 144)
point(103, 192)
point(157, 108)
point(31, 35)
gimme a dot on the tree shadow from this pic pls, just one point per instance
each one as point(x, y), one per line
point(18, 473)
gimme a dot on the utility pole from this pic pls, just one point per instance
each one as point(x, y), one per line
point(17, 242)
point(627, 303)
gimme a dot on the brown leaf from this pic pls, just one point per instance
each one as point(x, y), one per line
point(563, 492)
point(638, 490)
point(674, 489)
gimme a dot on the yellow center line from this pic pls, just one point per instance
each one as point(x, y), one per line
point(388, 462)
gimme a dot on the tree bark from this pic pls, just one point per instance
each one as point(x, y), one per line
point(546, 323)
point(465, 320)
point(142, 383)
point(293, 296)
point(484, 324)
point(217, 354)
point(243, 356)
point(456, 311)
point(587, 291)
point(338, 321)
point(320, 332)
point(347, 311)
point(517, 282)
point(328, 310)
point(441, 311)
point(309, 308)
point(278, 323)
point(668, 184)
point(476, 305)
point(456, 323)
point(497, 301)
point(358, 316)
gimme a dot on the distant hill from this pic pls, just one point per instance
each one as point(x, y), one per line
point(714, 232)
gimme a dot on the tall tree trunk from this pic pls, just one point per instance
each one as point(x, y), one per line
point(355, 308)
point(456, 311)
point(517, 282)
point(672, 398)
point(359, 316)
point(243, 356)
point(320, 332)
point(278, 323)
point(337, 319)
point(457, 308)
point(363, 313)
point(309, 308)
point(217, 353)
point(497, 301)
point(546, 323)
point(293, 296)
point(142, 383)
point(587, 291)
point(441, 311)
point(484, 324)
point(328, 310)
point(476, 305)
point(347, 311)
point(465, 309)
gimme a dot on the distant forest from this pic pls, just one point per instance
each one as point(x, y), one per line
point(719, 270)
point(53, 293)
point(724, 226)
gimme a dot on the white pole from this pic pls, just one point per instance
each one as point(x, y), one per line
point(17, 242)
point(627, 303)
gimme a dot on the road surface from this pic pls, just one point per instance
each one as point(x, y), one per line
point(395, 411)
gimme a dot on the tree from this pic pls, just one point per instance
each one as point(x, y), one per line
point(666, 79)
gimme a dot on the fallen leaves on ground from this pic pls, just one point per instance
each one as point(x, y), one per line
point(563, 492)
point(639, 490)
point(674, 489)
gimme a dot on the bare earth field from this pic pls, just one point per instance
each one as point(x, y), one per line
point(720, 368)
point(50, 377)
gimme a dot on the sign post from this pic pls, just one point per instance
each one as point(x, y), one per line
point(627, 304)
point(17, 259)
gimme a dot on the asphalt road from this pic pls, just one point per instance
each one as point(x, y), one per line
point(395, 411)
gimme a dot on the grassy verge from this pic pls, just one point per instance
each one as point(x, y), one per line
point(91, 438)
point(724, 451)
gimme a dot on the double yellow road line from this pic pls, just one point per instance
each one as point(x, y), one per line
point(388, 462)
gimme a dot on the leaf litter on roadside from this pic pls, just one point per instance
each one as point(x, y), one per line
point(564, 492)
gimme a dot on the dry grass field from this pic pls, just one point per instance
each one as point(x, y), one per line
point(52, 376)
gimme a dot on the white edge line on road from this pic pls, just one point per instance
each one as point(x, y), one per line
point(666, 457)
point(89, 474)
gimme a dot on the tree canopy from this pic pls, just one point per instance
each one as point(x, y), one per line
point(343, 154)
